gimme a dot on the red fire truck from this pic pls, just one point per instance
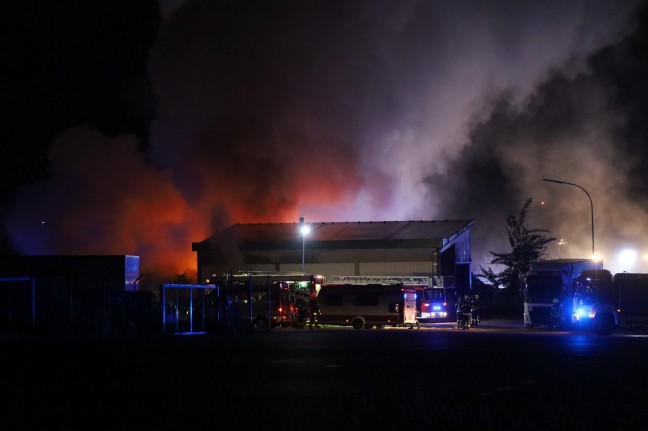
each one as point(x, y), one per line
point(265, 298)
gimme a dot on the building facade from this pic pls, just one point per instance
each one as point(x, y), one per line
point(342, 248)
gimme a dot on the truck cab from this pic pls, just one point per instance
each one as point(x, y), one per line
point(433, 305)
point(539, 293)
point(550, 283)
point(593, 301)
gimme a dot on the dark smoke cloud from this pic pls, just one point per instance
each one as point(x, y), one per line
point(352, 110)
point(103, 198)
point(364, 110)
point(586, 129)
point(66, 64)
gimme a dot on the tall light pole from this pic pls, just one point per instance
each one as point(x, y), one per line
point(305, 230)
point(588, 196)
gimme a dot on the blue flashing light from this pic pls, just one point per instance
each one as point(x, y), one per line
point(581, 313)
point(436, 307)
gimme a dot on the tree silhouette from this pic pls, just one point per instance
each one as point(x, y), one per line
point(182, 279)
point(528, 245)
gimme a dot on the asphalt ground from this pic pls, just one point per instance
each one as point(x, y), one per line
point(499, 375)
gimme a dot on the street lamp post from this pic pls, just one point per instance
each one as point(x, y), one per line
point(305, 229)
point(588, 196)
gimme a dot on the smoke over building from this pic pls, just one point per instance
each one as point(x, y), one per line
point(378, 110)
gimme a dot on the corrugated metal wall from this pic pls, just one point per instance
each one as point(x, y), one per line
point(313, 268)
point(349, 268)
point(344, 262)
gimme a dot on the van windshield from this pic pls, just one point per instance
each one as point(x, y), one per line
point(546, 287)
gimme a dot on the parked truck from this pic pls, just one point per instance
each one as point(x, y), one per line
point(593, 303)
point(603, 302)
point(551, 280)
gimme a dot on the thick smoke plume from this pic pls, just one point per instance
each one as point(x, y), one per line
point(103, 198)
point(586, 129)
point(376, 110)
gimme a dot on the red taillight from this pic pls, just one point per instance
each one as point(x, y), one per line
point(425, 306)
point(280, 310)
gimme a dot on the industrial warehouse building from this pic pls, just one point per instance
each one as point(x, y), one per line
point(433, 248)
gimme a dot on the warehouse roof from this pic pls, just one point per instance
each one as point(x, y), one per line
point(425, 232)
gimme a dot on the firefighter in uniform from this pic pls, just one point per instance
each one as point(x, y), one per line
point(458, 310)
point(314, 312)
point(475, 309)
point(556, 314)
point(466, 312)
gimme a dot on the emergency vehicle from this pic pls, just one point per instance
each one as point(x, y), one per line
point(367, 302)
point(266, 299)
point(432, 292)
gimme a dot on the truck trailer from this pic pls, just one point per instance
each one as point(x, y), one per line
point(631, 299)
point(551, 280)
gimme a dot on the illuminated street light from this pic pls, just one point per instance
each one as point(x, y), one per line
point(304, 230)
point(591, 204)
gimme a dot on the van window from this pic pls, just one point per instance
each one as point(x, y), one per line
point(332, 299)
point(366, 299)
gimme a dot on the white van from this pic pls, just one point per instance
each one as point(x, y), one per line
point(367, 305)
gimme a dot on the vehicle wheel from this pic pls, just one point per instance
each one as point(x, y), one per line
point(261, 322)
point(357, 324)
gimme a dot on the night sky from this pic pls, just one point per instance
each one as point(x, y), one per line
point(138, 127)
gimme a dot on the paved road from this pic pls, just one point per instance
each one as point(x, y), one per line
point(492, 377)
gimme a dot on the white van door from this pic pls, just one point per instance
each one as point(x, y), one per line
point(409, 307)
